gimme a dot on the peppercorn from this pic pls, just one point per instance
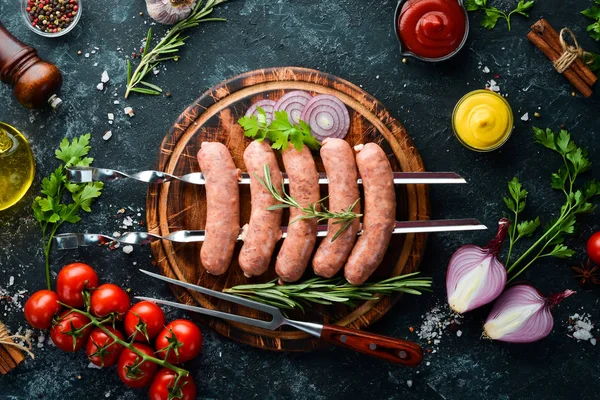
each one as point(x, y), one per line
point(52, 16)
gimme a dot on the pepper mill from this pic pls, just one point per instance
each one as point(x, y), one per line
point(35, 82)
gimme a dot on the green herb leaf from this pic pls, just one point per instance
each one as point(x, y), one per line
point(72, 153)
point(523, 7)
point(561, 251)
point(528, 228)
point(490, 18)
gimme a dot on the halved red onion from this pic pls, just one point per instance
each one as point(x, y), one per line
point(327, 117)
point(293, 103)
point(267, 105)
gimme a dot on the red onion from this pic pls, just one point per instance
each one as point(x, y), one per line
point(475, 276)
point(293, 103)
point(268, 107)
point(522, 315)
point(327, 117)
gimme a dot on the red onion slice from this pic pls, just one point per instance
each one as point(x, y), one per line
point(293, 103)
point(327, 117)
point(267, 105)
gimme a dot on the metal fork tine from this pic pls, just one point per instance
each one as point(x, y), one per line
point(273, 324)
point(274, 311)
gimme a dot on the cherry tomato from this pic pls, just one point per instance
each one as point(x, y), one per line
point(163, 383)
point(142, 316)
point(179, 342)
point(40, 308)
point(107, 299)
point(101, 349)
point(71, 281)
point(132, 374)
point(593, 248)
point(62, 335)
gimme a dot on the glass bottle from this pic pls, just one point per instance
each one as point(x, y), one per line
point(17, 166)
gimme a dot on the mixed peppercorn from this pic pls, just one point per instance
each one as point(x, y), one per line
point(52, 16)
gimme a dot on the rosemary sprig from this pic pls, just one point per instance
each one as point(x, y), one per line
point(329, 291)
point(286, 201)
point(166, 49)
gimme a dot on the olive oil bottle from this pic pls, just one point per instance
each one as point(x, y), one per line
point(17, 166)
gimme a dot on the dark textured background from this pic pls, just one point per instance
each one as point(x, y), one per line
point(355, 40)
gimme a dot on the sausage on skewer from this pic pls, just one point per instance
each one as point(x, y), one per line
point(379, 215)
point(302, 234)
point(222, 204)
point(264, 229)
point(338, 159)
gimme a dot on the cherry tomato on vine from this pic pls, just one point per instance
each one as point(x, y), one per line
point(71, 281)
point(593, 248)
point(40, 308)
point(144, 320)
point(179, 342)
point(132, 371)
point(108, 299)
point(163, 384)
point(101, 349)
point(66, 333)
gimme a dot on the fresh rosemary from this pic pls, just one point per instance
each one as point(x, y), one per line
point(329, 291)
point(345, 217)
point(166, 49)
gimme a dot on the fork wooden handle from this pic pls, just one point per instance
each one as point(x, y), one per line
point(383, 347)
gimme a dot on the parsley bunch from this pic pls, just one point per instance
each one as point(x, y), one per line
point(577, 201)
point(54, 206)
point(492, 14)
point(279, 132)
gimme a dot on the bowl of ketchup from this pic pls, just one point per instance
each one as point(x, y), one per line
point(431, 30)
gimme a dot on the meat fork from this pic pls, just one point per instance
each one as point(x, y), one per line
point(386, 348)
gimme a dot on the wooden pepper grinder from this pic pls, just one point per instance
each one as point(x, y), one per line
point(36, 82)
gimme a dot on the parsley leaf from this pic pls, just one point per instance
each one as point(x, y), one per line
point(594, 28)
point(279, 132)
point(50, 208)
point(493, 14)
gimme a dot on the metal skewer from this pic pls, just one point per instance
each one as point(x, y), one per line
point(91, 174)
point(67, 241)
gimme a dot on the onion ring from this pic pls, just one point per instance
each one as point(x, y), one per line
point(327, 117)
point(267, 105)
point(293, 103)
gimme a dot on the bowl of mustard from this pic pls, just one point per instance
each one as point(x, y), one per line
point(482, 120)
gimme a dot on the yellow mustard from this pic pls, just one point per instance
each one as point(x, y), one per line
point(482, 120)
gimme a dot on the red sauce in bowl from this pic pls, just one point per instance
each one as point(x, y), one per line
point(432, 28)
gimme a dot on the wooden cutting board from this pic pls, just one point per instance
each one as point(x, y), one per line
point(176, 206)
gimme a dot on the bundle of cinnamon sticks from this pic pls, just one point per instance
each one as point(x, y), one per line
point(547, 39)
point(10, 356)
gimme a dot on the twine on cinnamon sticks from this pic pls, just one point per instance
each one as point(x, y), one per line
point(10, 352)
point(571, 52)
point(567, 59)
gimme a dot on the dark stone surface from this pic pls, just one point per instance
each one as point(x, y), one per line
point(355, 40)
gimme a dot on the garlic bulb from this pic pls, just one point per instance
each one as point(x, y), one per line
point(169, 12)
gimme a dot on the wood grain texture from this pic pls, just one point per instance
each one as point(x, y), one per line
point(175, 206)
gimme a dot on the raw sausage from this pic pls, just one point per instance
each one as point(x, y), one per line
point(264, 229)
point(338, 159)
point(222, 205)
point(379, 216)
point(301, 235)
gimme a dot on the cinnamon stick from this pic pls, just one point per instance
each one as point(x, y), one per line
point(551, 36)
point(570, 74)
point(10, 357)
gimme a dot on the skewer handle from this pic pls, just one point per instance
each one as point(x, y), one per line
point(386, 348)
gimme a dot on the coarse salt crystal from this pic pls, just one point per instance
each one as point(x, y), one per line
point(155, 71)
point(428, 363)
point(128, 221)
point(459, 333)
point(100, 86)
point(87, 55)
point(93, 51)
point(107, 135)
point(116, 102)
point(94, 366)
point(409, 383)
point(111, 116)
point(95, 64)
point(127, 249)
point(593, 341)
point(129, 111)
point(525, 117)
point(116, 234)
point(493, 86)
point(11, 281)
point(582, 335)
point(105, 77)
point(436, 341)
point(486, 70)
